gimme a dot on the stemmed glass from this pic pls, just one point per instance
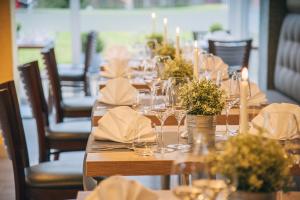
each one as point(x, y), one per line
point(173, 88)
point(232, 98)
point(150, 77)
point(162, 111)
point(195, 180)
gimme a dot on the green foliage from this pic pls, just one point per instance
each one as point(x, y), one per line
point(178, 67)
point(53, 4)
point(59, 3)
point(166, 50)
point(99, 43)
point(19, 26)
point(257, 164)
point(154, 36)
point(202, 98)
point(215, 27)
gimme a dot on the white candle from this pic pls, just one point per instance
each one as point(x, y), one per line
point(243, 102)
point(153, 16)
point(165, 31)
point(177, 42)
point(196, 57)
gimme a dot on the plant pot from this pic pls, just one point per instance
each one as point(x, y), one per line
point(241, 195)
point(201, 125)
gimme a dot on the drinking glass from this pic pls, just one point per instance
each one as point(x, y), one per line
point(194, 178)
point(173, 88)
point(207, 62)
point(232, 98)
point(160, 64)
point(162, 111)
point(141, 146)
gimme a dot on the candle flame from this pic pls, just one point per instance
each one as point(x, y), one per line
point(165, 21)
point(244, 74)
point(196, 44)
point(153, 15)
point(177, 30)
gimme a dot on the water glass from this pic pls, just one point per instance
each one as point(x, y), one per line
point(232, 98)
point(141, 146)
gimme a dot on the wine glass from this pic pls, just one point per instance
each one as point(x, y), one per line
point(232, 98)
point(161, 111)
point(173, 88)
point(190, 168)
point(160, 64)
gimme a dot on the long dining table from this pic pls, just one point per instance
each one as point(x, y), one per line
point(120, 159)
point(167, 194)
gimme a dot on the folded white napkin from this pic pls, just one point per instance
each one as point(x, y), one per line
point(120, 188)
point(279, 124)
point(118, 58)
point(123, 124)
point(215, 65)
point(257, 96)
point(118, 91)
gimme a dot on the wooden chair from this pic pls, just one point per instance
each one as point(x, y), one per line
point(77, 77)
point(47, 180)
point(60, 137)
point(67, 107)
point(234, 53)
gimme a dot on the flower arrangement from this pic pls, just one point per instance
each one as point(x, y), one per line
point(178, 67)
point(155, 36)
point(258, 164)
point(202, 98)
point(166, 50)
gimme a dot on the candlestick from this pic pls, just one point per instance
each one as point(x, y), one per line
point(196, 57)
point(177, 42)
point(244, 102)
point(165, 31)
point(153, 16)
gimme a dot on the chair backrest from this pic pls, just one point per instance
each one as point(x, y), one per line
point(233, 53)
point(90, 50)
point(13, 132)
point(30, 75)
point(287, 69)
point(52, 71)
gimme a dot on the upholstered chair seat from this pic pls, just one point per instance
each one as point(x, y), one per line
point(55, 174)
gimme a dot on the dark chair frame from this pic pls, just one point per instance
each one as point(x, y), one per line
point(213, 45)
point(31, 78)
point(55, 87)
point(13, 132)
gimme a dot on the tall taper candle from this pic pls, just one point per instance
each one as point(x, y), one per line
point(177, 42)
point(153, 16)
point(165, 31)
point(244, 102)
point(196, 61)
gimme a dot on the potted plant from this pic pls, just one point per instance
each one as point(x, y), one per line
point(178, 67)
point(203, 100)
point(258, 165)
point(154, 37)
point(166, 50)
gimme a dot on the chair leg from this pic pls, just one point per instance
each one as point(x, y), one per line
point(165, 182)
point(56, 155)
